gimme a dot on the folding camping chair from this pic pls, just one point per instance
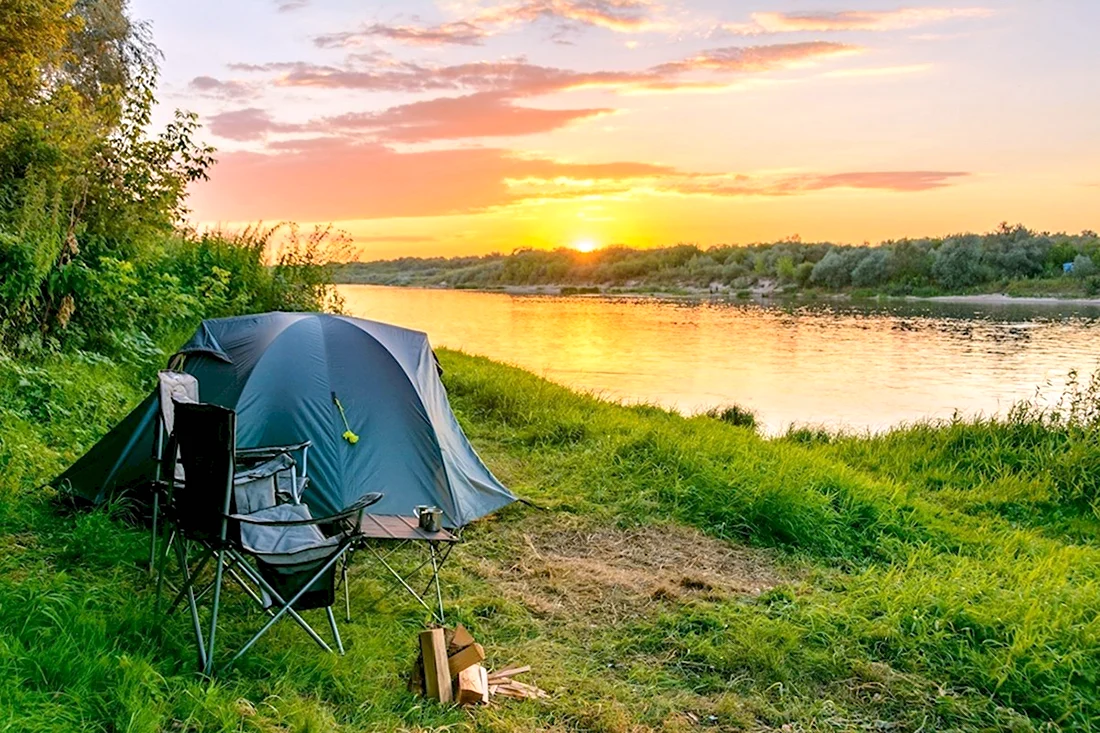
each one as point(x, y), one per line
point(295, 561)
point(286, 481)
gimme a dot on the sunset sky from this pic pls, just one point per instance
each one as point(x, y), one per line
point(460, 127)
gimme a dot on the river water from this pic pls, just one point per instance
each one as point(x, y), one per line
point(854, 366)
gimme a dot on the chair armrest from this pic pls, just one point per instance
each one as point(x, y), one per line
point(272, 450)
point(357, 508)
point(280, 462)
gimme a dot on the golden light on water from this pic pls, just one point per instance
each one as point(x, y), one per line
point(585, 245)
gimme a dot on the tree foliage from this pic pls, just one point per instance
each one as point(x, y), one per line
point(91, 203)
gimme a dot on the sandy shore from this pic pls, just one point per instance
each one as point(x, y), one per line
point(1002, 299)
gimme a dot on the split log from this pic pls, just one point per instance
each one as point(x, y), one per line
point(458, 639)
point(437, 676)
point(463, 659)
point(472, 685)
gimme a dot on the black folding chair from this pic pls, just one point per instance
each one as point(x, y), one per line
point(275, 464)
point(295, 554)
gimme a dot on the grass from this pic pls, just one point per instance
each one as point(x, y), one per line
point(683, 572)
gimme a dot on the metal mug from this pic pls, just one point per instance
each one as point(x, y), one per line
point(431, 519)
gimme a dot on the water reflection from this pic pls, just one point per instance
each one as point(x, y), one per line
point(839, 364)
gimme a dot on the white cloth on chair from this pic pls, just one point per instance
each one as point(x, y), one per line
point(180, 387)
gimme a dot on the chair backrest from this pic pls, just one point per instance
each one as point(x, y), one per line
point(206, 436)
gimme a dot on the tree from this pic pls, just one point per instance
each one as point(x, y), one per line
point(958, 263)
point(874, 269)
point(832, 271)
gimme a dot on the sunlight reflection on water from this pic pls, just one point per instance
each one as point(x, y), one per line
point(844, 365)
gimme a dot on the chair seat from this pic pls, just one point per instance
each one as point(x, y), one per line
point(281, 545)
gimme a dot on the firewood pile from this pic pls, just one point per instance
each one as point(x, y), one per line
point(450, 669)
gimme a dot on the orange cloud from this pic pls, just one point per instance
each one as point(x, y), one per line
point(755, 58)
point(333, 179)
point(325, 179)
point(851, 20)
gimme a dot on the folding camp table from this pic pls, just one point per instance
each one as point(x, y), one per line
point(398, 532)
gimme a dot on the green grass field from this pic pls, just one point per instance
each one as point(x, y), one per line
point(682, 574)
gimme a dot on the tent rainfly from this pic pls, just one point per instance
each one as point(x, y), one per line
point(283, 373)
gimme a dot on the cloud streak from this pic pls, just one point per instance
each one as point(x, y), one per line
point(619, 16)
point(520, 78)
point(851, 20)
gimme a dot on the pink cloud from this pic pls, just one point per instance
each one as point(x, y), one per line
point(247, 124)
point(485, 114)
point(900, 181)
point(208, 86)
point(851, 20)
point(739, 185)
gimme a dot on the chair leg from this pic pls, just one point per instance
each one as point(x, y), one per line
point(182, 553)
point(347, 591)
point(162, 566)
point(214, 613)
point(435, 577)
point(181, 556)
point(335, 631)
point(153, 536)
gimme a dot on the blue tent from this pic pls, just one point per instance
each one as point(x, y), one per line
point(281, 372)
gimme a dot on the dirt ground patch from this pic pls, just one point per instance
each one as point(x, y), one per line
point(599, 575)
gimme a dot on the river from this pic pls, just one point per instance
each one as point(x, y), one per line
point(852, 366)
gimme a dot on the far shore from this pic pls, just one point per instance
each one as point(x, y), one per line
point(755, 294)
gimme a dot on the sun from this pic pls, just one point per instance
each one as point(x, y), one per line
point(585, 245)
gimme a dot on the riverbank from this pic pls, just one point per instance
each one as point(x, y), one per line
point(681, 572)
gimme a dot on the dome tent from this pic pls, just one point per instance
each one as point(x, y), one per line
point(281, 373)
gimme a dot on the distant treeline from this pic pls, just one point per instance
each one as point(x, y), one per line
point(1011, 258)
